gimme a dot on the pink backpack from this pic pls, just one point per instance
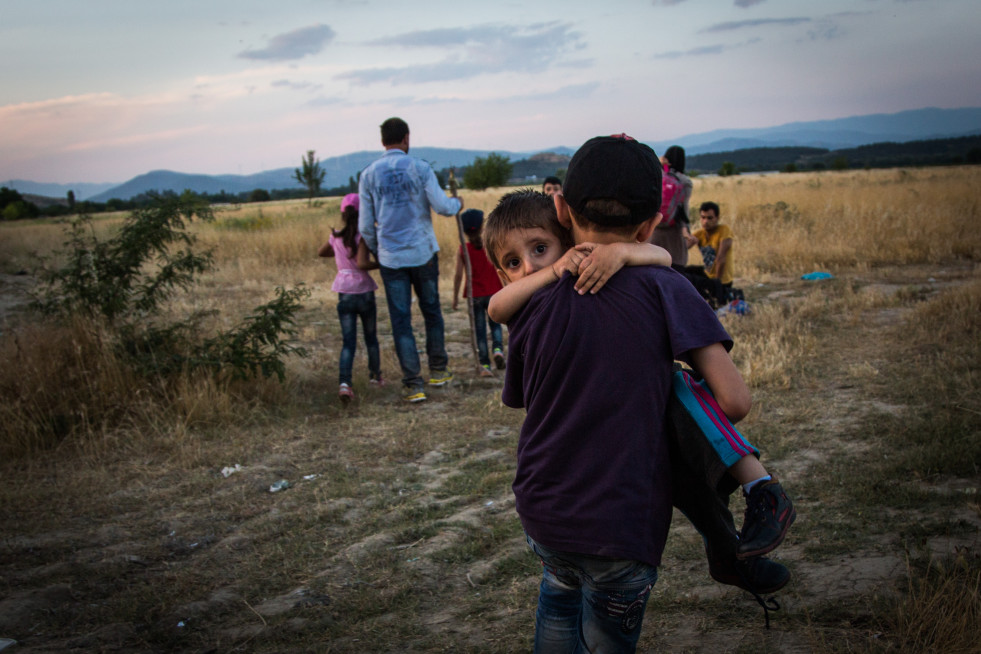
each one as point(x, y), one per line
point(672, 194)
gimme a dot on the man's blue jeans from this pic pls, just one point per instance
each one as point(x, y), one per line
point(589, 603)
point(349, 307)
point(399, 284)
point(480, 322)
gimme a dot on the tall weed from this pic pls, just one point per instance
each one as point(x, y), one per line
point(940, 610)
point(106, 299)
point(941, 380)
point(796, 223)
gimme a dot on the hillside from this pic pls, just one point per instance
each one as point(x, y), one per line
point(840, 133)
point(877, 155)
point(539, 166)
point(816, 142)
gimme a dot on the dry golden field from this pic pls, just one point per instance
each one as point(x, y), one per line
point(398, 533)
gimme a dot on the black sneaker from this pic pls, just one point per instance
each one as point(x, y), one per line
point(758, 575)
point(769, 514)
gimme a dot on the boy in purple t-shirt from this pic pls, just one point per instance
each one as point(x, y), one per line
point(593, 485)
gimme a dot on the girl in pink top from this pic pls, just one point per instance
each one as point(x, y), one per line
point(355, 295)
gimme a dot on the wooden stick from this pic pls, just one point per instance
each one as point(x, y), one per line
point(466, 260)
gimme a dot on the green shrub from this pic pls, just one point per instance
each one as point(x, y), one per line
point(494, 170)
point(124, 282)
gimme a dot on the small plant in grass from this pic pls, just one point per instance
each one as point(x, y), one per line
point(124, 282)
point(112, 293)
point(253, 347)
point(131, 274)
point(252, 223)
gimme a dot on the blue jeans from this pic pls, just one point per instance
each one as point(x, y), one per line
point(349, 307)
point(590, 603)
point(480, 321)
point(399, 284)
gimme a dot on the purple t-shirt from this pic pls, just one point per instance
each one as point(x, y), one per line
point(594, 373)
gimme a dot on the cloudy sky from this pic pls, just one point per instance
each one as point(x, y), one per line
point(104, 90)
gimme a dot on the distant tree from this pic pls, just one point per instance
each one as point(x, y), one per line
point(71, 200)
point(311, 175)
point(728, 168)
point(790, 168)
point(17, 210)
point(974, 156)
point(14, 207)
point(223, 197)
point(840, 163)
point(54, 210)
point(259, 195)
point(494, 170)
point(8, 196)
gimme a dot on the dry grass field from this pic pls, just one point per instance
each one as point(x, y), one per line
point(398, 531)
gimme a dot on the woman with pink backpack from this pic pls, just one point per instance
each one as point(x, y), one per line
point(673, 230)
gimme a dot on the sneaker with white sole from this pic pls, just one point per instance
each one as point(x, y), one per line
point(440, 377)
point(414, 394)
point(346, 394)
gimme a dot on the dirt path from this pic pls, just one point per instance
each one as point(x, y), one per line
point(390, 517)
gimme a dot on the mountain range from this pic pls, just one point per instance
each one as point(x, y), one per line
point(913, 125)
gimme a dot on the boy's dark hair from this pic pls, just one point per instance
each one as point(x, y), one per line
point(676, 158)
point(551, 179)
point(613, 183)
point(525, 209)
point(393, 131)
point(472, 220)
point(709, 206)
point(609, 209)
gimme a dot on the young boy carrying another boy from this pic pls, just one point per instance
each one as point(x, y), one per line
point(484, 284)
point(593, 485)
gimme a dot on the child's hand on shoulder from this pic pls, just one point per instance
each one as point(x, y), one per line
point(568, 262)
point(599, 263)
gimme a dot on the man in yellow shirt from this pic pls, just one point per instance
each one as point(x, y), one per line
point(714, 240)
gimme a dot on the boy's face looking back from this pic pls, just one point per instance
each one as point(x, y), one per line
point(551, 189)
point(523, 235)
point(528, 250)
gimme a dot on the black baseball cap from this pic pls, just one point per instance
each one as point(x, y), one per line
point(616, 168)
